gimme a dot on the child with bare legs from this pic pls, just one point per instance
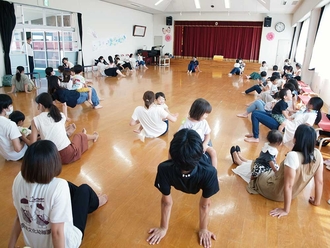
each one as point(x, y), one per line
point(267, 157)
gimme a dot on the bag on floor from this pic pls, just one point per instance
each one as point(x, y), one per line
point(6, 80)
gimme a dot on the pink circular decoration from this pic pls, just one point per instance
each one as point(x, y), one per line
point(168, 37)
point(270, 36)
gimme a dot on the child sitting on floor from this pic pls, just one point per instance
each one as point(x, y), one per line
point(280, 111)
point(199, 111)
point(256, 75)
point(193, 65)
point(79, 84)
point(18, 117)
point(267, 158)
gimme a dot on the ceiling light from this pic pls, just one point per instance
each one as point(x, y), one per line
point(227, 4)
point(197, 4)
point(159, 2)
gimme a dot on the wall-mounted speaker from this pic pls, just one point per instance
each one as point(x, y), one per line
point(169, 21)
point(267, 21)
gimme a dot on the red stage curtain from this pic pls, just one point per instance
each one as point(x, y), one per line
point(232, 40)
point(178, 40)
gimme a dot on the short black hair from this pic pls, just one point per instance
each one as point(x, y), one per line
point(5, 102)
point(186, 149)
point(283, 93)
point(263, 74)
point(77, 69)
point(41, 162)
point(273, 78)
point(288, 76)
point(305, 139)
point(276, 74)
point(275, 67)
point(199, 107)
point(160, 94)
point(60, 68)
point(49, 71)
point(64, 59)
point(17, 116)
point(274, 137)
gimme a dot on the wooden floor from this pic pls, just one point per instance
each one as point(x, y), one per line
point(123, 167)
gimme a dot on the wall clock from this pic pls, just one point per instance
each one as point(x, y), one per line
point(279, 27)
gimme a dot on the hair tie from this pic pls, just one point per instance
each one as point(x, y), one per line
point(147, 100)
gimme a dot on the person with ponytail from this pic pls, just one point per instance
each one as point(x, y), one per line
point(50, 124)
point(21, 82)
point(151, 117)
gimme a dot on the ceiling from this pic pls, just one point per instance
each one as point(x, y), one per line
point(188, 6)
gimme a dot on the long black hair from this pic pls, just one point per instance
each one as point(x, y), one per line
point(18, 75)
point(317, 104)
point(53, 84)
point(46, 100)
point(305, 139)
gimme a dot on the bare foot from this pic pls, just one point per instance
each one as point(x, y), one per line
point(84, 131)
point(137, 131)
point(70, 129)
point(242, 115)
point(146, 67)
point(249, 135)
point(103, 199)
point(96, 135)
point(251, 140)
point(91, 103)
point(98, 107)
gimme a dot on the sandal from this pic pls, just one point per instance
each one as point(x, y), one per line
point(238, 149)
point(232, 150)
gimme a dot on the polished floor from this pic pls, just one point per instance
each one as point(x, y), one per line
point(123, 167)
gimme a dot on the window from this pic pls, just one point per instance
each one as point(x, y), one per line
point(321, 50)
point(301, 47)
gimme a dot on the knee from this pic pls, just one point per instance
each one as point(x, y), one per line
point(84, 187)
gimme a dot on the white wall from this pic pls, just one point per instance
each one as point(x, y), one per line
point(303, 11)
point(267, 49)
point(103, 22)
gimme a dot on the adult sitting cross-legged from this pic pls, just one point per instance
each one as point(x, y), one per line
point(50, 124)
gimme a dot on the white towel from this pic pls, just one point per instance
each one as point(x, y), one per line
point(244, 171)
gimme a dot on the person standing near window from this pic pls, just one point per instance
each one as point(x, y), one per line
point(27, 47)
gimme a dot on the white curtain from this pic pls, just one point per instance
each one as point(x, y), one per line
point(301, 47)
point(321, 51)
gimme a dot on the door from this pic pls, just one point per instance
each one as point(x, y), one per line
point(282, 53)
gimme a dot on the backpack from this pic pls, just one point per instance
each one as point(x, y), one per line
point(6, 80)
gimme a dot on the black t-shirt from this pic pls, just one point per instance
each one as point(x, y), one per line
point(279, 107)
point(203, 176)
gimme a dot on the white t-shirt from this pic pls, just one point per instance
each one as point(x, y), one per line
point(101, 68)
point(27, 48)
point(300, 118)
point(51, 130)
point(77, 82)
point(39, 205)
point(263, 68)
point(8, 132)
point(292, 160)
point(201, 127)
point(151, 120)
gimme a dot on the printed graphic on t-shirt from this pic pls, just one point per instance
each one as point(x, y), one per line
point(37, 217)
